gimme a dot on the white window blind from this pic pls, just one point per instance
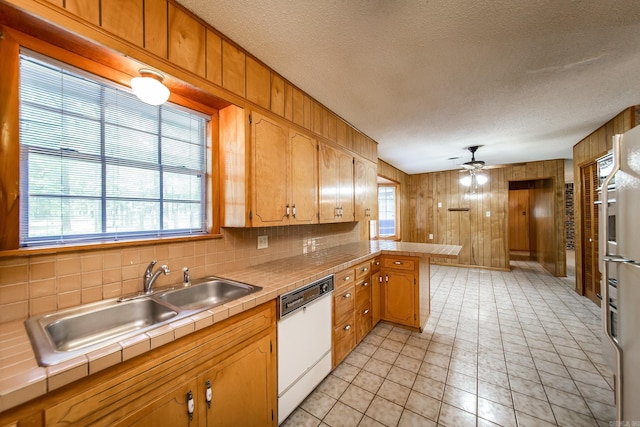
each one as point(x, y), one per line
point(99, 164)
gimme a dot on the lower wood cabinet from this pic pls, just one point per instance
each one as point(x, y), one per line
point(400, 290)
point(235, 359)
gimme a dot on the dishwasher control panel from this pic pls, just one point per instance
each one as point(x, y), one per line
point(300, 297)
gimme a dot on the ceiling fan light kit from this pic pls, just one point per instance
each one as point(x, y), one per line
point(473, 166)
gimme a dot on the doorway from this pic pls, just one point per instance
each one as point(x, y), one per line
point(519, 220)
point(589, 282)
point(519, 227)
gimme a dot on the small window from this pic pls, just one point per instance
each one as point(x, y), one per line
point(387, 212)
point(99, 164)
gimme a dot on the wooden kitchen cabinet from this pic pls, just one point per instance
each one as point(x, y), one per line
point(169, 409)
point(400, 290)
point(343, 335)
point(335, 175)
point(363, 311)
point(269, 174)
point(366, 190)
point(244, 374)
point(237, 356)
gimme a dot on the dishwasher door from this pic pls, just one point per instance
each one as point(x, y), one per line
point(304, 353)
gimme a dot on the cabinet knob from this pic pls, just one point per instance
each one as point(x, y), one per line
point(366, 311)
point(346, 328)
point(365, 269)
point(190, 405)
point(397, 262)
point(365, 284)
point(347, 278)
point(347, 295)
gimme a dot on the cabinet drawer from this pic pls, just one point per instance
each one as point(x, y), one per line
point(398, 263)
point(375, 264)
point(362, 270)
point(344, 278)
point(363, 292)
point(343, 304)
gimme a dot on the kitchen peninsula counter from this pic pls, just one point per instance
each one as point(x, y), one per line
point(22, 379)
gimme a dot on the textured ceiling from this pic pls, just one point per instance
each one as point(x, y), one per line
point(525, 79)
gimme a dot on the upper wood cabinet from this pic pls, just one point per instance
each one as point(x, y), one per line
point(335, 169)
point(269, 172)
point(366, 190)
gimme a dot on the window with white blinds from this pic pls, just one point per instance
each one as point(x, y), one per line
point(99, 164)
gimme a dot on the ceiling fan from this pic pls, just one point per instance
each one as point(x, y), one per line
point(473, 167)
point(474, 164)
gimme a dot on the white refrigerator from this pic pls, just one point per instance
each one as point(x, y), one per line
point(619, 245)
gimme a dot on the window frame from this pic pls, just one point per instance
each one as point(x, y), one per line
point(383, 182)
point(104, 69)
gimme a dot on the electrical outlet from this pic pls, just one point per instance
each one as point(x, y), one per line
point(439, 204)
point(430, 236)
point(263, 242)
point(488, 213)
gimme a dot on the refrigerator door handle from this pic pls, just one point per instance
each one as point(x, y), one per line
point(620, 259)
point(606, 309)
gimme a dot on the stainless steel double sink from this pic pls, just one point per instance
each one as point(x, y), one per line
point(65, 334)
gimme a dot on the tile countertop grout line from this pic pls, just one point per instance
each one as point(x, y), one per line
point(276, 277)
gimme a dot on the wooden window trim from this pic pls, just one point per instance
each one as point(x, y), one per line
point(395, 237)
point(10, 46)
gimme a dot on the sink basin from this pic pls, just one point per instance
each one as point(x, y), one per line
point(73, 332)
point(208, 293)
point(84, 327)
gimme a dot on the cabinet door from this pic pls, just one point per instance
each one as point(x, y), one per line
point(366, 190)
point(399, 290)
point(328, 183)
point(270, 154)
point(169, 410)
point(375, 298)
point(345, 187)
point(303, 179)
point(363, 322)
point(242, 387)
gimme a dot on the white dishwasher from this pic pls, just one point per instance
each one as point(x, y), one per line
point(304, 343)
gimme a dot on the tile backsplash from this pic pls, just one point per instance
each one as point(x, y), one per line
point(36, 284)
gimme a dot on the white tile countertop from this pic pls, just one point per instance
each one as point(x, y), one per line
point(22, 379)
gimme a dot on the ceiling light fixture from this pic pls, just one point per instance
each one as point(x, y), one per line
point(148, 87)
point(474, 167)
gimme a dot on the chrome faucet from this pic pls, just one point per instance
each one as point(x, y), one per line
point(150, 277)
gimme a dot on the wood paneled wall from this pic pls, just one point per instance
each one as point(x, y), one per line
point(441, 206)
point(587, 151)
point(165, 35)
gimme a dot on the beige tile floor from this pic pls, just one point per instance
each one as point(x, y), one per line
point(517, 348)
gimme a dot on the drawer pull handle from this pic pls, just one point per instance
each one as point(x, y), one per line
point(366, 311)
point(346, 328)
point(365, 269)
point(397, 262)
point(377, 262)
point(347, 278)
point(347, 295)
point(365, 284)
